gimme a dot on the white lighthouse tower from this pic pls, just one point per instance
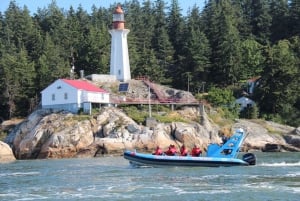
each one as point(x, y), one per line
point(119, 58)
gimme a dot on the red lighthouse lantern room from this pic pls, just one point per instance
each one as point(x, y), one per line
point(118, 18)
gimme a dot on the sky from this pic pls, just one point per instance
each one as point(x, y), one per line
point(33, 5)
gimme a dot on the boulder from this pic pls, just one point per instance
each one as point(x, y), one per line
point(57, 134)
point(258, 135)
point(272, 148)
point(293, 140)
point(6, 154)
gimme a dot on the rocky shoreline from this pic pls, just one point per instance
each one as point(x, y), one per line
point(59, 134)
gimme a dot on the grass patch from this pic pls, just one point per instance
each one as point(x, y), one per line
point(218, 117)
point(170, 117)
point(138, 115)
point(161, 113)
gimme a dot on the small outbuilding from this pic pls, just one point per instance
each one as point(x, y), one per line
point(73, 95)
point(244, 102)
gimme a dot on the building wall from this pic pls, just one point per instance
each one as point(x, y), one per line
point(102, 78)
point(59, 93)
point(244, 102)
point(67, 107)
point(94, 97)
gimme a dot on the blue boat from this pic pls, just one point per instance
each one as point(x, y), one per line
point(216, 156)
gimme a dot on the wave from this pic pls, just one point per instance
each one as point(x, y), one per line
point(16, 174)
point(281, 164)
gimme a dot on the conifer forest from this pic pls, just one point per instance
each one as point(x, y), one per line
point(212, 50)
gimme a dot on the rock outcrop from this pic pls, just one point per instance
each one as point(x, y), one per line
point(6, 154)
point(57, 134)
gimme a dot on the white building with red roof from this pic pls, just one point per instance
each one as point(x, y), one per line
point(73, 95)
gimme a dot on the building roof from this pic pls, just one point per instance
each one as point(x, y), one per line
point(84, 85)
point(254, 79)
point(118, 10)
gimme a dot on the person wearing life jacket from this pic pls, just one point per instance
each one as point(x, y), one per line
point(196, 151)
point(171, 151)
point(224, 139)
point(183, 150)
point(158, 151)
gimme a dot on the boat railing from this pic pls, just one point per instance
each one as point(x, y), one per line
point(230, 148)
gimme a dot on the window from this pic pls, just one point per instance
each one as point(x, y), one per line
point(66, 96)
point(53, 97)
point(119, 71)
point(102, 96)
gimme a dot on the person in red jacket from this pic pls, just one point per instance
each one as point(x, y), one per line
point(183, 151)
point(158, 151)
point(171, 151)
point(196, 151)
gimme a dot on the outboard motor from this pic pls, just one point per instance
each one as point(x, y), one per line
point(250, 158)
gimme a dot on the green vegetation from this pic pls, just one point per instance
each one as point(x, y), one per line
point(164, 115)
point(134, 113)
point(170, 117)
point(2, 135)
point(212, 50)
point(220, 117)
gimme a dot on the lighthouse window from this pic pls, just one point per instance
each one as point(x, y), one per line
point(118, 17)
point(119, 71)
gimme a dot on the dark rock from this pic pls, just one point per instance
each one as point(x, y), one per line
point(293, 140)
point(132, 128)
point(272, 148)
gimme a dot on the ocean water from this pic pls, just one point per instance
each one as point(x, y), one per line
point(275, 177)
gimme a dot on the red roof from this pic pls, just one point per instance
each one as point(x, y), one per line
point(84, 85)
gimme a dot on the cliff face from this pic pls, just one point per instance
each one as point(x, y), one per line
point(48, 134)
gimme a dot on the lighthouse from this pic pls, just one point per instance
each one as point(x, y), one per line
point(119, 58)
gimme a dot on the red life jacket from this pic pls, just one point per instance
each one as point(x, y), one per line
point(171, 151)
point(158, 151)
point(196, 151)
point(183, 151)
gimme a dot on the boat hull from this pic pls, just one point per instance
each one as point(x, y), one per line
point(141, 159)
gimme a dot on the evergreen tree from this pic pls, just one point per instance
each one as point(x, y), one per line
point(101, 50)
point(279, 82)
point(261, 20)
point(17, 82)
point(50, 65)
point(280, 14)
point(245, 16)
point(18, 26)
point(134, 22)
point(225, 43)
point(252, 60)
point(197, 51)
point(228, 42)
point(175, 32)
point(161, 43)
point(294, 24)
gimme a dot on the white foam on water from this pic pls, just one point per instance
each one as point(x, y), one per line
point(260, 185)
point(21, 196)
point(17, 174)
point(294, 174)
point(8, 195)
point(281, 164)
